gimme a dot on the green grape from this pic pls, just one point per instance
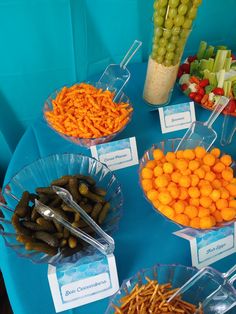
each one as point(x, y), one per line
point(170, 55)
point(154, 48)
point(192, 13)
point(184, 1)
point(179, 20)
point(187, 24)
point(154, 55)
point(197, 2)
point(167, 63)
point(181, 44)
point(161, 51)
point(170, 47)
point(159, 59)
point(182, 9)
point(184, 33)
point(169, 23)
point(158, 32)
point(174, 39)
point(176, 60)
point(159, 20)
point(167, 33)
point(176, 30)
point(162, 3)
point(172, 13)
point(162, 12)
point(155, 5)
point(173, 3)
point(163, 42)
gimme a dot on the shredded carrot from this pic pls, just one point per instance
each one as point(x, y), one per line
point(85, 111)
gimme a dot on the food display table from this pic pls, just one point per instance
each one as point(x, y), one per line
point(144, 237)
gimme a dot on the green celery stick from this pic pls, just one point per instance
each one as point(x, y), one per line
point(234, 90)
point(209, 52)
point(227, 88)
point(221, 47)
point(220, 78)
point(209, 89)
point(233, 78)
point(203, 64)
point(206, 74)
point(194, 67)
point(212, 79)
point(211, 64)
point(233, 65)
point(227, 64)
point(220, 60)
point(229, 54)
point(201, 50)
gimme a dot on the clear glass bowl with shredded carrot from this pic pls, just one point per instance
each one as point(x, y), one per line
point(148, 290)
point(86, 114)
point(196, 198)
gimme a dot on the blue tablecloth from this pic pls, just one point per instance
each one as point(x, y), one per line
point(144, 237)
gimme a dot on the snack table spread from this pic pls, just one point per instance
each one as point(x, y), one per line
point(143, 238)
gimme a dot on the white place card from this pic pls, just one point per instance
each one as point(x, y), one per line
point(207, 247)
point(177, 117)
point(85, 281)
point(118, 154)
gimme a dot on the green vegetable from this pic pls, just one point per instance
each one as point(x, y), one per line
point(209, 52)
point(220, 78)
point(227, 88)
point(212, 79)
point(234, 90)
point(202, 50)
point(221, 56)
point(209, 89)
point(227, 64)
point(194, 67)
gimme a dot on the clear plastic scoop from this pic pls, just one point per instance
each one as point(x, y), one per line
point(222, 294)
point(202, 133)
point(228, 130)
point(116, 76)
point(105, 245)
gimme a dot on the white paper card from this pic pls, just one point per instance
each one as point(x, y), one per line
point(83, 282)
point(118, 154)
point(210, 246)
point(177, 117)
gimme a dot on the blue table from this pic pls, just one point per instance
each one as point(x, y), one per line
point(144, 237)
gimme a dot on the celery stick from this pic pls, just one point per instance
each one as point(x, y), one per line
point(194, 67)
point(232, 78)
point(227, 64)
point(212, 79)
point(201, 50)
point(234, 90)
point(229, 54)
point(221, 47)
point(233, 65)
point(221, 78)
point(211, 64)
point(220, 60)
point(227, 87)
point(209, 52)
point(203, 64)
point(206, 74)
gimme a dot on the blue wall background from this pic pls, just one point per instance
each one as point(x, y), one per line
point(48, 43)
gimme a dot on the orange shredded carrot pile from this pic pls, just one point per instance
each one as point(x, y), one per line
point(85, 111)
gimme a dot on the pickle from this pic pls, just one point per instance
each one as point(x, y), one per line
point(23, 238)
point(22, 207)
point(34, 214)
point(63, 242)
point(60, 212)
point(83, 188)
point(47, 191)
point(61, 181)
point(33, 196)
point(87, 179)
point(67, 208)
point(32, 226)
point(50, 239)
point(42, 247)
point(72, 242)
point(73, 189)
point(66, 233)
point(47, 225)
point(77, 217)
point(103, 214)
point(18, 227)
point(82, 223)
point(59, 235)
point(96, 211)
point(45, 199)
point(56, 202)
point(75, 224)
point(99, 191)
point(58, 226)
point(87, 208)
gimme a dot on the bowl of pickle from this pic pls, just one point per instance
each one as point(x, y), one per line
point(92, 186)
point(192, 188)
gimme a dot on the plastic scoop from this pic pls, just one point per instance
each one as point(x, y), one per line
point(116, 76)
point(201, 133)
point(228, 130)
point(222, 295)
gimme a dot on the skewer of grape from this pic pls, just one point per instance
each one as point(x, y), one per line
point(173, 20)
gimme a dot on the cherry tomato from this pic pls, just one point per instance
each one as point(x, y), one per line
point(231, 108)
point(194, 79)
point(192, 95)
point(201, 91)
point(192, 58)
point(185, 68)
point(184, 87)
point(198, 98)
point(180, 73)
point(204, 83)
point(218, 91)
point(233, 57)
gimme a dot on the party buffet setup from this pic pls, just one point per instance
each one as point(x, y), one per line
point(63, 209)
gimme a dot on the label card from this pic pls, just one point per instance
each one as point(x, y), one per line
point(83, 282)
point(210, 246)
point(118, 154)
point(177, 117)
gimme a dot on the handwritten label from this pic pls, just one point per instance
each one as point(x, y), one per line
point(118, 154)
point(87, 280)
point(177, 117)
point(207, 247)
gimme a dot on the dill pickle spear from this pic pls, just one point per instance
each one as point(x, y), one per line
point(47, 225)
point(41, 247)
point(18, 227)
point(50, 239)
point(22, 207)
point(103, 213)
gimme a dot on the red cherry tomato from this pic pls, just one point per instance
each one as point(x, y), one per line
point(180, 73)
point(233, 57)
point(184, 87)
point(231, 108)
point(198, 98)
point(185, 68)
point(218, 91)
point(204, 83)
point(192, 58)
point(192, 95)
point(201, 91)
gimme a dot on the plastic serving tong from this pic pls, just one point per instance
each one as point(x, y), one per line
point(222, 298)
point(116, 76)
point(202, 133)
point(105, 244)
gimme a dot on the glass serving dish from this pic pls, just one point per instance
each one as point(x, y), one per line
point(40, 173)
point(87, 142)
point(171, 145)
point(177, 275)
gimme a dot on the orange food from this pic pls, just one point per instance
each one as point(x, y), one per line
point(158, 154)
point(168, 167)
point(205, 201)
point(158, 171)
point(209, 159)
point(170, 156)
point(215, 195)
point(219, 167)
point(179, 207)
point(193, 165)
point(206, 222)
point(152, 195)
point(147, 184)
point(161, 181)
point(189, 154)
point(175, 176)
point(181, 164)
point(206, 190)
point(164, 197)
point(200, 152)
point(147, 173)
point(216, 152)
point(168, 211)
point(185, 181)
point(191, 211)
point(151, 164)
point(228, 214)
point(193, 192)
point(195, 223)
point(226, 160)
point(85, 111)
point(182, 219)
point(227, 175)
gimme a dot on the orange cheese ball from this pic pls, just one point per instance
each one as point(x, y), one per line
point(191, 187)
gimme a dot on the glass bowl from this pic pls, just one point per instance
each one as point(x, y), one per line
point(40, 173)
point(171, 145)
point(177, 275)
point(87, 142)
